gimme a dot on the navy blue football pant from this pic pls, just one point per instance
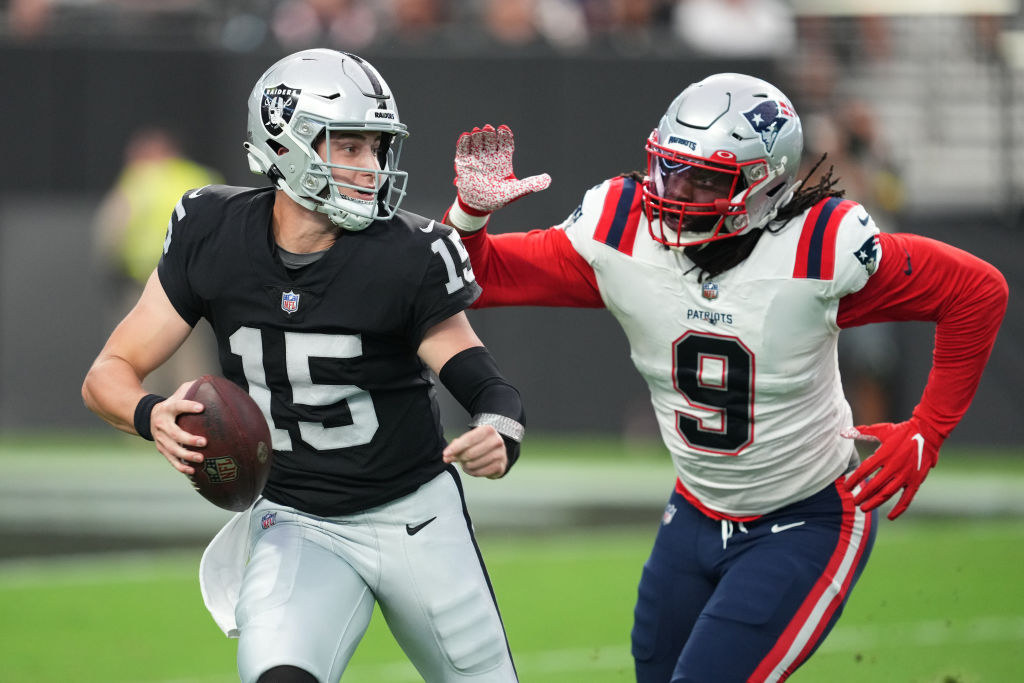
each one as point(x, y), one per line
point(725, 602)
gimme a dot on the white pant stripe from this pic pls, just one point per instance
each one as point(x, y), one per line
point(821, 611)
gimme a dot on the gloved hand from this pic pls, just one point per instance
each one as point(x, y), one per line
point(484, 177)
point(907, 451)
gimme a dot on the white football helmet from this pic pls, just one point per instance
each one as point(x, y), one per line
point(303, 99)
point(737, 134)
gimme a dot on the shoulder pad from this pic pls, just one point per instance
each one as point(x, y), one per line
point(816, 250)
point(620, 215)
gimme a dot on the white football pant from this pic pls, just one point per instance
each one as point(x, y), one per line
point(310, 585)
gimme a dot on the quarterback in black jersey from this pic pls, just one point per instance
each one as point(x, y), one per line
point(330, 306)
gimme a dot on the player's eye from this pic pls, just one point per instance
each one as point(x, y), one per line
point(671, 165)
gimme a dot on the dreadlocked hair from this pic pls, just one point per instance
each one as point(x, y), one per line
point(809, 195)
point(714, 258)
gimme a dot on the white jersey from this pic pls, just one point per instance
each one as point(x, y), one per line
point(742, 368)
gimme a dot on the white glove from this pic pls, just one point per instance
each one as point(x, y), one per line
point(484, 177)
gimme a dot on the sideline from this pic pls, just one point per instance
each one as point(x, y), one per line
point(133, 498)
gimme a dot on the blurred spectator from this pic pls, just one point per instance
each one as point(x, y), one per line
point(131, 225)
point(735, 28)
point(631, 26)
point(346, 24)
point(28, 19)
point(988, 33)
point(853, 41)
point(561, 24)
point(417, 21)
point(511, 22)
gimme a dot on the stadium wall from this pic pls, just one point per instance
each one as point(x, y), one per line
point(67, 113)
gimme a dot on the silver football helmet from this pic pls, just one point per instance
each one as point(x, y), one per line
point(302, 100)
point(722, 161)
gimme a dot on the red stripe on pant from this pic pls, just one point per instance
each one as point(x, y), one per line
point(795, 644)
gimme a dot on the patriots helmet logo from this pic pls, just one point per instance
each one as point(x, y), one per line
point(867, 254)
point(768, 119)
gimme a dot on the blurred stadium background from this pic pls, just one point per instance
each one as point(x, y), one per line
point(918, 104)
point(920, 109)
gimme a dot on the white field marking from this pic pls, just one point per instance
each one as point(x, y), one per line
point(98, 569)
point(924, 633)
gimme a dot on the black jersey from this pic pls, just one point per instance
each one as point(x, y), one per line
point(328, 351)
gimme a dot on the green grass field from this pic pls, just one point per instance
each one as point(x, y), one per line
point(941, 602)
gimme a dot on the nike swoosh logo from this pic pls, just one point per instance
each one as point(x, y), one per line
point(776, 528)
point(908, 270)
point(413, 530)
point(196, 193)
point(430, 226)
point(864, 221)
point(920, 448)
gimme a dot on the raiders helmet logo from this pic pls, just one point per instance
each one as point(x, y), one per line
point(278, 107)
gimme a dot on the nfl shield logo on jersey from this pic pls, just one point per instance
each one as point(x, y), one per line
point(670, 512)
point(289, 302)
point(709, 290)
point(268, 520)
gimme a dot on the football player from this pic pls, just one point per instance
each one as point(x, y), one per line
point(330, 306)
point(732, 280)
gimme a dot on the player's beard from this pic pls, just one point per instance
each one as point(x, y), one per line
point(691, 224)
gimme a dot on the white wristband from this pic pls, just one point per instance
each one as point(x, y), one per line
point(504, 425)
point(461, 220)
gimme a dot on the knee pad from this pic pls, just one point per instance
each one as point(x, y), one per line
point(468, 629)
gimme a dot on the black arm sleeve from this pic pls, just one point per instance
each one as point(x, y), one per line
point(474, 380)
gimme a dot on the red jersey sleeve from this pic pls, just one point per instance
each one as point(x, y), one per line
point(536, 268)
point(923, 279)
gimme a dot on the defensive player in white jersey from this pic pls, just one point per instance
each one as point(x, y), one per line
point(330, 304)
point(732, 281)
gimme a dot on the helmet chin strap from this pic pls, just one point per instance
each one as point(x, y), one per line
point(259, 163)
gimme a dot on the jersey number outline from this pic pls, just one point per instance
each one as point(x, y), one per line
point(455, 280)
point(247, 342)
point(714, 373)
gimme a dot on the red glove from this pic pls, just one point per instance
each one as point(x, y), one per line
point(907, 451)
point(484, 177)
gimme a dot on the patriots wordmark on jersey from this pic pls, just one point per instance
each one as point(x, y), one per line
point(741, 368)
point(328, 351)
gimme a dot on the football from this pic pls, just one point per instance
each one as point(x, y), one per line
point(238, 449)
